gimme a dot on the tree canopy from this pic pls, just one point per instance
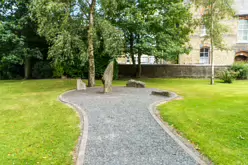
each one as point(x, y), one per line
point(77, 32)
point(65, 24)
point(155, 28)
point(215, 11)
point(19, 41)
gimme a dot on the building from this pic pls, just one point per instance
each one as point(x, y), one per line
point(145, 59)
point(236, 40)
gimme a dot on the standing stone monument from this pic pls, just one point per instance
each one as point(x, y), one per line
point(108, 78)
point(80, 85)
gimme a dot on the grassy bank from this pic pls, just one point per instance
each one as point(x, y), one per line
point(35, 127)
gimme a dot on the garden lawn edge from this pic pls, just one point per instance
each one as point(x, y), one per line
point(181, 141)
point(79, 153)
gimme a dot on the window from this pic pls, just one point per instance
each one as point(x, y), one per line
point(243, 31)
point(144, 59)
point(128, 60)
point(203, 30)
point(204, 56)
point(152, 60)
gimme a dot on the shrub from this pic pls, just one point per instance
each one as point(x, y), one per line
point(41, 70)
point(69, 69)
point(101, 64)
point(11, 71)
point(58, 71)
point(227, 76)
point(241, 69)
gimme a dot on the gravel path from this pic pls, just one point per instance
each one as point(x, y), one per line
point(122, 131)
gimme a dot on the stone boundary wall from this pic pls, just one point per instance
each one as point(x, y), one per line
point(171, 70)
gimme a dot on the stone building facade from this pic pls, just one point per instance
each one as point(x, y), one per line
point(236, 40)
point(145, 59)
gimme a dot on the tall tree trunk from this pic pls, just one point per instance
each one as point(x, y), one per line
point(138, 67)
point(212, 64)
point(27, 68)
point(139, 70)
point(132, 52)
point(91, 78)
point(212, 46)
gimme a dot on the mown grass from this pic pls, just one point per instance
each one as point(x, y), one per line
point(35, 127)
point(214, 118)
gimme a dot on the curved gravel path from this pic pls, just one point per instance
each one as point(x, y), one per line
point(121, 130)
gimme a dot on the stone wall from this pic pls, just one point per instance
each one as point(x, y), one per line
point(171, 71)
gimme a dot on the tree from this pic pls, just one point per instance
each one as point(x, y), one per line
point(19, 41)
point(156, 28)
point(77, 20)
point(91, 81)
point(215, 11)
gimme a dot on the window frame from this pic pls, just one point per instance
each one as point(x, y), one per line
point(243, 31)
point(203, 31)
point(205, 55)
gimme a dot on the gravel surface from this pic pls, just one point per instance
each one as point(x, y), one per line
point(122, 130)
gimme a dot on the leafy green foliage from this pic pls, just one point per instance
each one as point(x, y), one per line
point(108, 39)
point(160, 28)
point(155, 28)
point(67, 48)
point(19, 41)
point(64, 24)
point(61, 29)
point(220, 11)
point(42, 70)
point(227, 76)
point(241, 69)
point(101, 63)
point(215, 11)
point(58, 71)
point(11, 46)
point(238, 71)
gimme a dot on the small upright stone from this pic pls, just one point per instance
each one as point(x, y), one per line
point(135, 84)
point(108, 78)
point(80, 85)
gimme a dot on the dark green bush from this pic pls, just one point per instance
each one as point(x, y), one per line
point(70, 69)
point(73, 72)
point(58, 71)
point(11, 71)
point(42, 70)
point(101, 64)
point(227, 76)
point(241, 69)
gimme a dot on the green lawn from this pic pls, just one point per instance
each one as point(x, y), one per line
point(35, 127)
point(214, 118)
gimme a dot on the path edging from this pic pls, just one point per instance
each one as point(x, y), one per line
point(81, 146)
point(182, 142)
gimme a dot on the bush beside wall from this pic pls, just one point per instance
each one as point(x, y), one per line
point(241, 69)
